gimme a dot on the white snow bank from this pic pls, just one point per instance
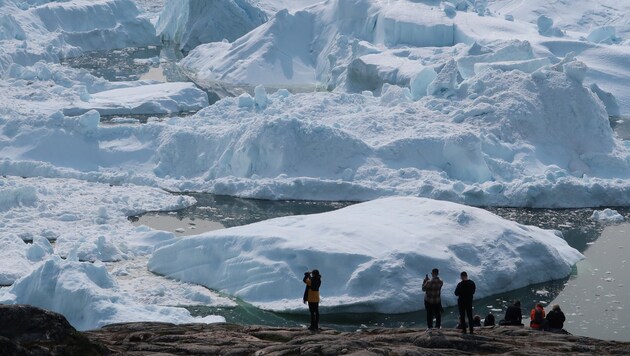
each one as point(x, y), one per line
point(50, 30)
point(88, 296)
point(190, 23)
point(161, 98)
point(372, 256)
point(604, 34)
point(607, 216)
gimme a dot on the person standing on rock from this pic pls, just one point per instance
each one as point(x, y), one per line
point(465, 291)
point(311, 296)
point(432, 299)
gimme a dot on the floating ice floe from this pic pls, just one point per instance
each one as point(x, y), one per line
point(372, 256)
point(164, 98)
point(607, 216)
point(87, 220)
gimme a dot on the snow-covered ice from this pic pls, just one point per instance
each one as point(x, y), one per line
point(163, 98)
point(87, 295)
point(83, 218)
point(372, 255)
point(324, 45)
point(50, 30)
point(88, 222)
point(502, 138)
point(607, 216)
point(193, 22)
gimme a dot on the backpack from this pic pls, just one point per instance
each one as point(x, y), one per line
point(538, 316)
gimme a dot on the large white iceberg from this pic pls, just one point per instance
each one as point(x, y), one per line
point(373, 256)
point(88, 296)
point(326, 45)
point(190, 23)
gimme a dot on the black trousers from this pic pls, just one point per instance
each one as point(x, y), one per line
point(433, 310)
point(314, 309)
point(465, 309)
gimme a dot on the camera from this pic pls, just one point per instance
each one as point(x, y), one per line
point(307, 273)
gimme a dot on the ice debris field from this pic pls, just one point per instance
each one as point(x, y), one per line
point(422, 109)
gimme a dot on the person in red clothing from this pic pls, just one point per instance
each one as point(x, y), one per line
point(537, 317)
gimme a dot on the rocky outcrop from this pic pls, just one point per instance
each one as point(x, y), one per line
point(229, 339)
point(26, 330)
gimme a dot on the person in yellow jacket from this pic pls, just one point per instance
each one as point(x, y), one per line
point(311, 296)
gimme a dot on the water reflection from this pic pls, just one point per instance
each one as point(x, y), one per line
point(150, 63)
point(582, 296)
point(136, 63)
point(230, 211)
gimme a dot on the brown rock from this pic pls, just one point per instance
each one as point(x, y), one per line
point(26, 330)
point(229, 339)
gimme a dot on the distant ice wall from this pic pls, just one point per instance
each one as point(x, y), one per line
point(193, 22)
point(50, 30)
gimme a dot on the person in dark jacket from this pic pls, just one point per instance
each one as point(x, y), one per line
point(555, 319)
point(465, 291)
point(311, 296)
point(489, 320)
point(432, 299)
point(513, 315)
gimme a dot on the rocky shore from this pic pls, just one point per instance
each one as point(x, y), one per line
point(25, 330)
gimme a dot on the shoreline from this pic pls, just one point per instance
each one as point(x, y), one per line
point(26, 330)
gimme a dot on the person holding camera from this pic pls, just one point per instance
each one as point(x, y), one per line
point(311, 296)
point(432, 299)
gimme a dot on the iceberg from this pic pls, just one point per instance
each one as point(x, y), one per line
point(50, 30)
point(163, 98)
point(502, 137)
point(299, 50)
point(87, 295)
point(190, 23)
point(607, 216)
point(372, 256)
